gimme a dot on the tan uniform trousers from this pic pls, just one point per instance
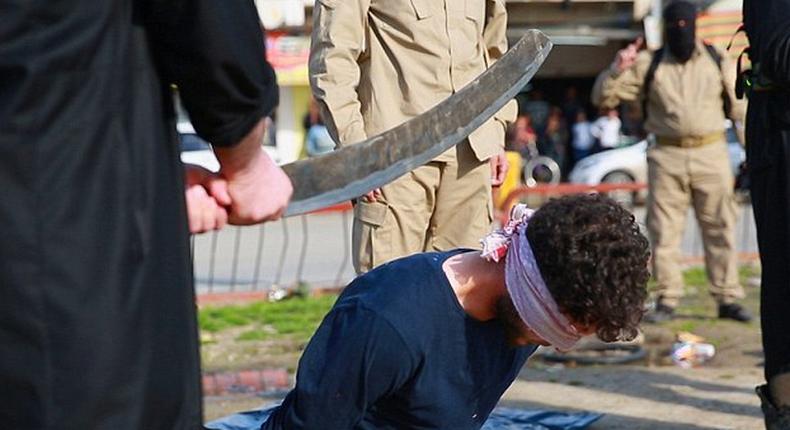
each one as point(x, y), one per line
point(700, 176)
point(439, 206)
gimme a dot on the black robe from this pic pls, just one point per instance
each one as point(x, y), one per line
point(97, 313)
point(767, 24)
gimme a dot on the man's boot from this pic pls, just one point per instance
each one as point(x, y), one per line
point(776, 418)
point(735, 312)
point(662, 312)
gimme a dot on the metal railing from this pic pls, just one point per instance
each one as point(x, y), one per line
point(313, 251)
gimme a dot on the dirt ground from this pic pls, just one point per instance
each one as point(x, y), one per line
point(634, 397)
point(652, 393)
point(225, 353)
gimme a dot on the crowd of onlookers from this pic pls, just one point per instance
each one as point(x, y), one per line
point(317, 139)
point(567, 132)
point(564, 132)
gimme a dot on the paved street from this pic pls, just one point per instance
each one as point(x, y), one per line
point(644, 398)
point(313, 249)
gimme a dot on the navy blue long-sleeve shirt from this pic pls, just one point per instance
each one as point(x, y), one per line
point(398, 351)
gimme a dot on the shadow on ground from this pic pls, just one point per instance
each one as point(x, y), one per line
point(614, 421)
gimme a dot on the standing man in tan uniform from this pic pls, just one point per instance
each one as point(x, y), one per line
point(684, 107)
point(375, 64)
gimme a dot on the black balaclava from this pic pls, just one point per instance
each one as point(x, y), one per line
point(680, 28)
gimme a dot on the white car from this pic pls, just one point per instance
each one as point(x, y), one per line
point(195, 150)
point(629, 165)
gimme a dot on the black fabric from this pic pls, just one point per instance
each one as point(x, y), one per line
point(680, 29)
point(397, 351)
point(97, 314)
point(221, 79)
point(768, 155)
point(766, 23)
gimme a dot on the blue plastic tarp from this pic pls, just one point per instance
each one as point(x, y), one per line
point(500, 419)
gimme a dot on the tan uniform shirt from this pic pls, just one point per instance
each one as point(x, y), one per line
point(685, 99)
point(375, 64)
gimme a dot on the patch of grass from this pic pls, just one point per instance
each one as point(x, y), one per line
point(293, 318)
point(695, 276)
point(746, 271)
point(254, 334)
point(221, 318)
point(697, 307)
point(651, 285)
point(684, 325)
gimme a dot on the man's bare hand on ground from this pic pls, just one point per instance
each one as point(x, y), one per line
point(626, 57)
point(499, 168)
point(258, 189)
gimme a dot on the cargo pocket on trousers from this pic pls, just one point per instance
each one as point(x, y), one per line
point(372, 243)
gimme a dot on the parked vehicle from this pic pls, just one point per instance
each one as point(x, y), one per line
point(629, 165)
point(195, 150)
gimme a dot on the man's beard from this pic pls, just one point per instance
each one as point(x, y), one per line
point(515, 329)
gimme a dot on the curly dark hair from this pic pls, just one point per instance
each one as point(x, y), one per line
point(594, 260)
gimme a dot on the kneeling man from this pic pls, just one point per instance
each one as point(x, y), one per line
point(433, 340)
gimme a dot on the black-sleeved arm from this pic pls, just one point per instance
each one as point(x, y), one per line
point(354, 359)
point(214, 52)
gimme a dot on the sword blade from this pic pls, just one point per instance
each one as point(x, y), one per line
point(356, 169)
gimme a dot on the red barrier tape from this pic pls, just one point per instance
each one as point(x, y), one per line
point(241, 297)
point(340, 207)
point(231, 298)
point(246, 382)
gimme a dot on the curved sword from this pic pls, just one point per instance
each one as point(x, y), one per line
point(356, 169)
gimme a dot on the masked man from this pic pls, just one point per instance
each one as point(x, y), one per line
point(686, 89)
